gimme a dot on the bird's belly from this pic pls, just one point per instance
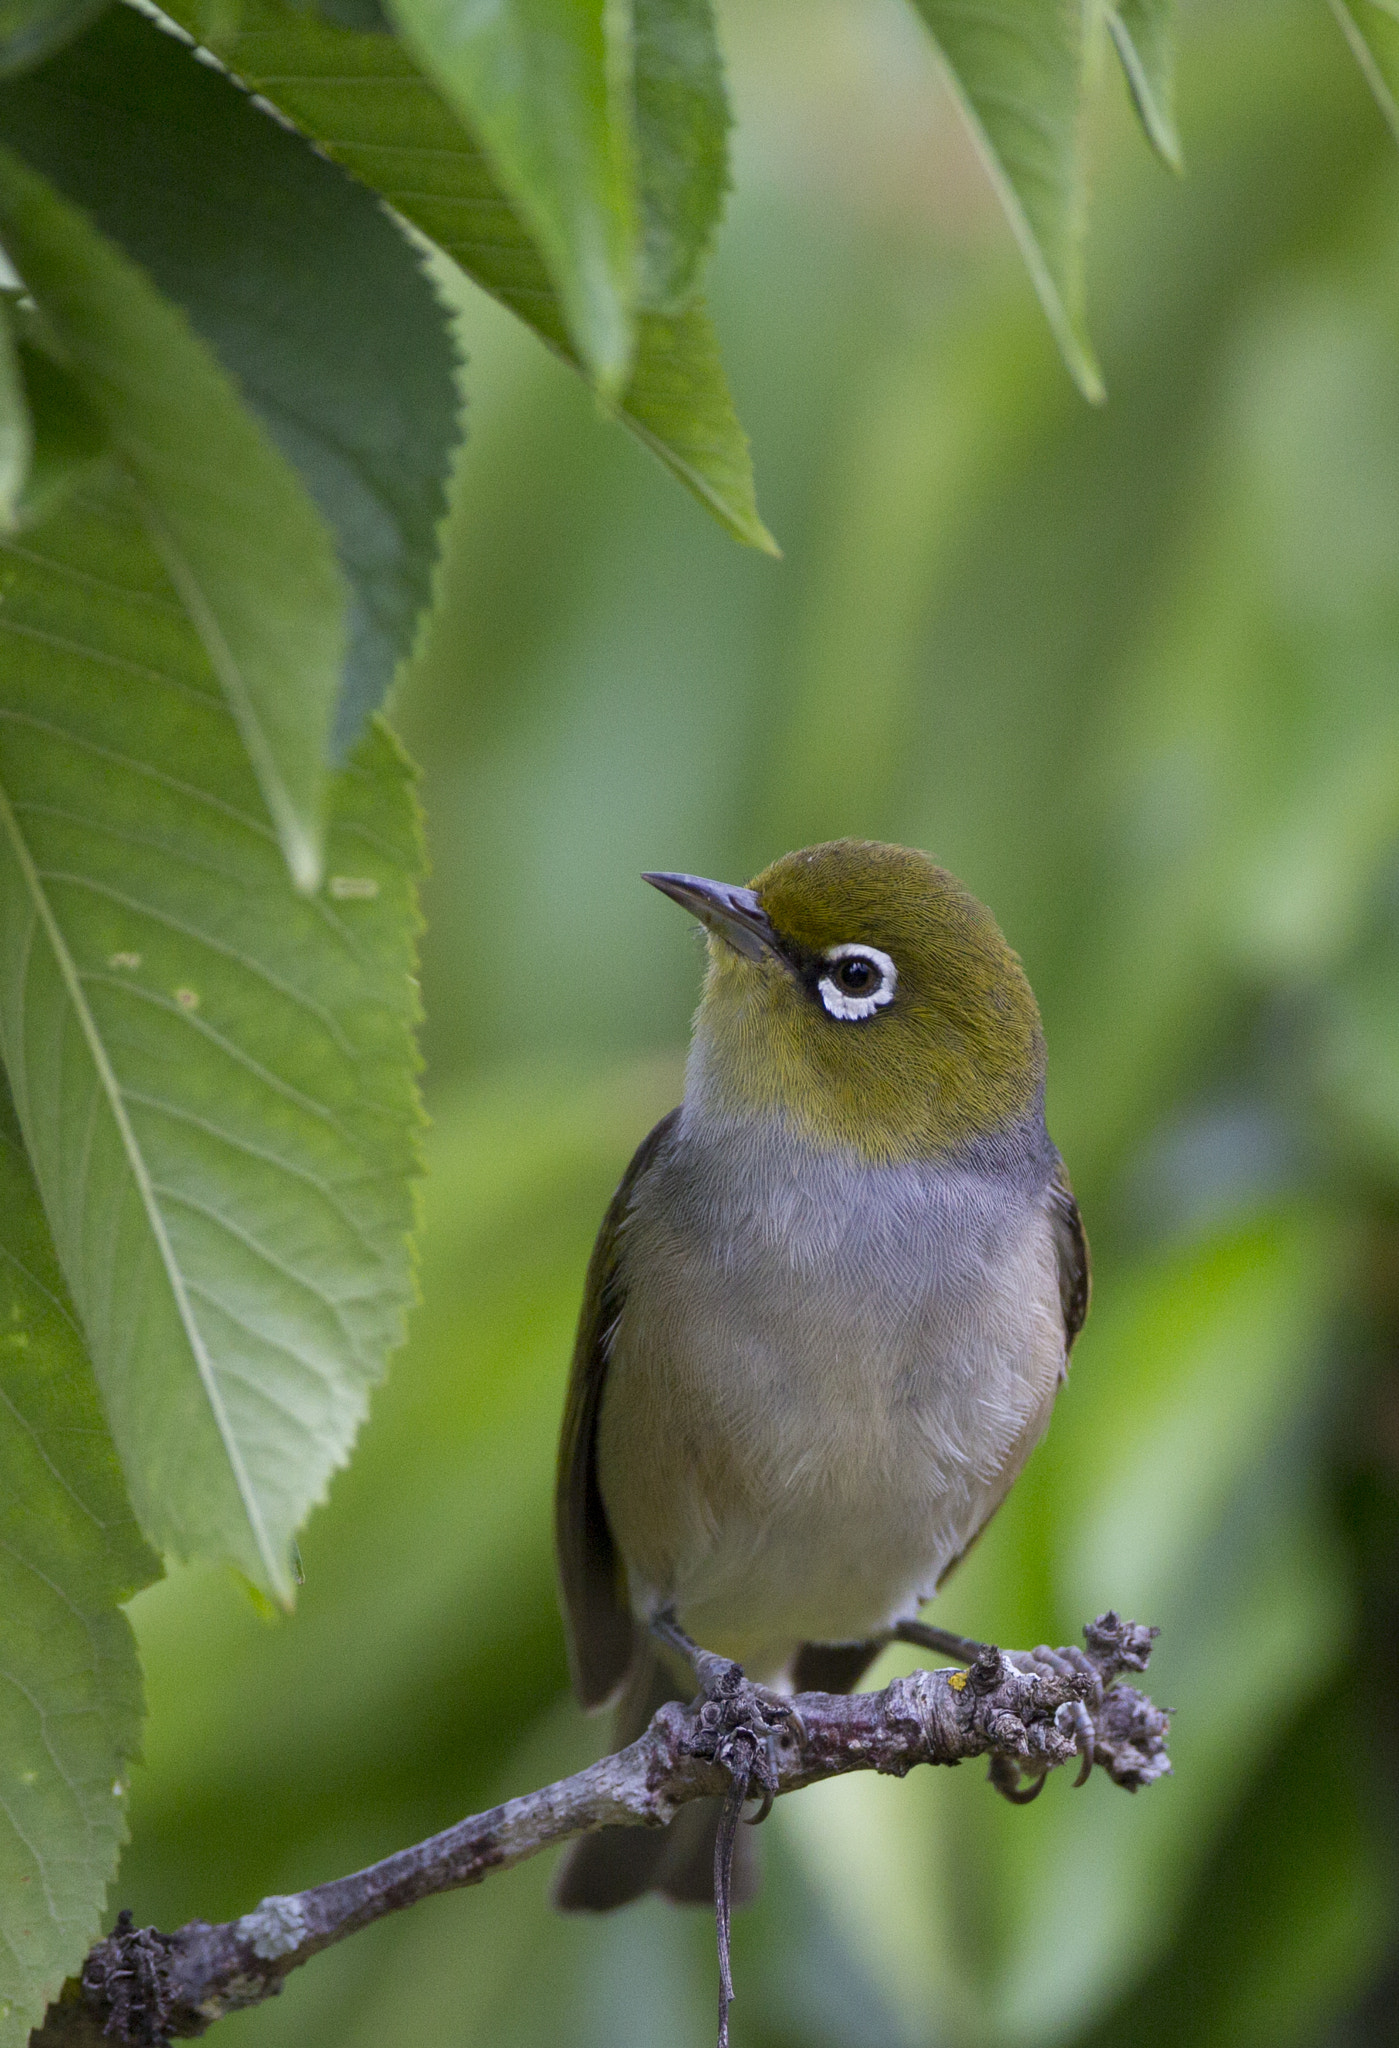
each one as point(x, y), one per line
point(794, 1449)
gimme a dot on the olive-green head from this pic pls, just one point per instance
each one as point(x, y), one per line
point(861, 993)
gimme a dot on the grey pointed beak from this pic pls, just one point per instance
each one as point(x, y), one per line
point(735, 914)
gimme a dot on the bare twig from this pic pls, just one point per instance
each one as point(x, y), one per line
point(1028, 1711)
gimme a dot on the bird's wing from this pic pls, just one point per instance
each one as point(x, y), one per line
point(1071, 1247)
point(1075, 1280)
point(592, 1581)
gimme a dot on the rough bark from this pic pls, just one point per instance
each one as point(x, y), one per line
point(1028, 1711)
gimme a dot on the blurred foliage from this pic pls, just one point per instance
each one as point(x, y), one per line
point(1133, 673)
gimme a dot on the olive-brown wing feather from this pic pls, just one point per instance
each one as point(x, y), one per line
point(1075, 1282)
point(1071, 1245)
point(592, 1581)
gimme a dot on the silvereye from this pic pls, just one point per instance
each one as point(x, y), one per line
point(826, 1317)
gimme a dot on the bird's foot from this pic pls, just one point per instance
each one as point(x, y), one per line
point(1073, 1718)
point(986, 1667)
point(1127, 1738)
point(1106, 1723)
point(1114, 1646)
point(738, 1724)
point(743, 1726)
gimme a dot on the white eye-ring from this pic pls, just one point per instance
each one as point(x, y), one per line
point(858, 981)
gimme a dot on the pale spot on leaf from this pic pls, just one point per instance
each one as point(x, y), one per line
point(353, 888)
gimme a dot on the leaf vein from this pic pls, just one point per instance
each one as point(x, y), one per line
point(170, 854)
point(135, 767)
point(32, 1433)
point(97, 1052)
point(259, 1250)
point(172, 923)
point(101, 655)
point(69, 573)
point(178, 1114)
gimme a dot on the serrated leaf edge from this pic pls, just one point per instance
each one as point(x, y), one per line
point(276, 1569)
point(1073, 346)
point(750, 531)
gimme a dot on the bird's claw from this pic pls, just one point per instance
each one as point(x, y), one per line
point(1004, 1774)
point(1031, 1706)
point(738, 1726)
point(1069, 1662)
point(1074, 1719)
point(1102, 1721)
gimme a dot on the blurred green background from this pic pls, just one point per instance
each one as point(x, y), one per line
point(1134, 674)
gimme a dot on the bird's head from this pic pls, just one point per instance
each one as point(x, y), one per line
point(859, 992)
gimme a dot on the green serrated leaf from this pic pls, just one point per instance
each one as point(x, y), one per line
point(312, 299)
point(1371, 27)
point(361, 98)
point(242, 543)
point(16, 429)
point(679, 404)
point(70, 1684)
point(537, 83)
point(682, 137)
point(1145, 34)
point(1018, 69)
point(31, 30)
point(214, 1073)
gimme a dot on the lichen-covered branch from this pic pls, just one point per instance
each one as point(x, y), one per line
point(1028, 1711)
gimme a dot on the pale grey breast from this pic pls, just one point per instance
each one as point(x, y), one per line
point(824, 1377)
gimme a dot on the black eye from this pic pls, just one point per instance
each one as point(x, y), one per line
point(858, 981)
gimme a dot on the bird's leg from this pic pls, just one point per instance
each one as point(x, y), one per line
point(709, 1671)
point(940, 1640)
point(966, 1650)
point(732, 1702)
point(737, 1727)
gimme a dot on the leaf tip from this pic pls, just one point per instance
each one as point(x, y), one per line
point(1152, 91)
point(610, 367)
point(269, 1606)
point(304, 859)
point(1083, 368)
point(1162, 134)
point(603, 327)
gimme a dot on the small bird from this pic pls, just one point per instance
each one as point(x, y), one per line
point(826, 1317)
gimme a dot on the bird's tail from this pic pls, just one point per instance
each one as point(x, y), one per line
point(613, 1866)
